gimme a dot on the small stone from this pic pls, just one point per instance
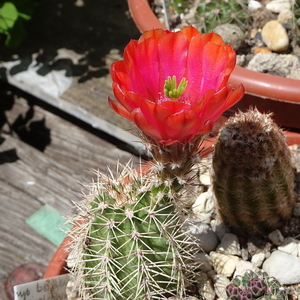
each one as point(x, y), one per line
point(207, 291)
point(275, 36)
point(220, 284)
point(205, 262)
point(284, 65)
point(245, 254)
point(256, 50)
point(219, 228)
point(285, 16)
point(254, 5)
point(284, 267)
point(204, 234)
point(205, 179)
point(276, 237)
point(242, 266)
point(229, 245)
point(224, 264)
point(258, 259)
point(296, 211)
point(276, 6)
point(203, 204)
point(290, 246)
point(231, 34)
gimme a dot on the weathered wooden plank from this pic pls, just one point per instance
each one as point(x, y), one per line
point(30, 178)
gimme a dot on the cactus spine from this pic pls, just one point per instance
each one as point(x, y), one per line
point(253, 176)
point(130, 242)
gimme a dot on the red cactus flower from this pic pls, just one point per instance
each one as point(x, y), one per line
point(173, 85)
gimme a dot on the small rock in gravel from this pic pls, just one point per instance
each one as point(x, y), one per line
point(204, 207)
point(276, 237)
point(253, 5)
point(220, 284)
point(219, 228)
point(285, 16)
point(242, 266)
point(285, 65)
point(284, 267)
point(207, 291)
point(290, 246)
point(258, 259)
point(275, 36)
point(204, 234)
point(224, 264)
point(205, 261)
point(276, 6)
point(229, 245)
point(231, 34)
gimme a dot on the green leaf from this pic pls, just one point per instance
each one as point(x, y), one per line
point(8, 15)
point(16, 34)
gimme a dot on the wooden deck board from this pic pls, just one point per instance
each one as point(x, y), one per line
point(50, 177)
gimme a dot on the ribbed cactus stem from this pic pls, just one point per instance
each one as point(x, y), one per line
point(131, 243)
point(253, 178)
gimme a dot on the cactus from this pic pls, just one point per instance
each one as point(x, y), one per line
point(210, 14)
point(130, 242)
point(253, 176)
point(255, 285)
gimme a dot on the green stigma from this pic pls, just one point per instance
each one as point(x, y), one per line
point(170, 88)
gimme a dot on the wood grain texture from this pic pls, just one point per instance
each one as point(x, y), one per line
point(34, 178)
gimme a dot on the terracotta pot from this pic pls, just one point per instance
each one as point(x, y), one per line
point(58, 265)
point(267, 92)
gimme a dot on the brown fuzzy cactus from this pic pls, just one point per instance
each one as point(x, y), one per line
point(253, 176)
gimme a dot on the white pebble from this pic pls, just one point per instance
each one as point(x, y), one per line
point(242, 266)
point(254, 5)
point(224, 264)
point(258, 259)
point(229, 245)
point(284, 267)
point(276, 6)
point(220, 284)
point(290, 245)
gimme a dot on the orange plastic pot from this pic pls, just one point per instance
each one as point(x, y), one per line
point(268, 93)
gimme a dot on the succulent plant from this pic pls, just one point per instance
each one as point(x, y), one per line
point(253, 176)
point(255, 285)
point(130, 242)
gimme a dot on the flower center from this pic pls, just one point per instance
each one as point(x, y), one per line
point(171, 90)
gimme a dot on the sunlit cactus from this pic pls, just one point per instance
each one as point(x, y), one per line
point(129, 243)
point(255, 285)
point(253, 178)
point(210, 14)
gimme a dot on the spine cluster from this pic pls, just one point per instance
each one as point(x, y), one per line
point(253, 177)
point(130, 243)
